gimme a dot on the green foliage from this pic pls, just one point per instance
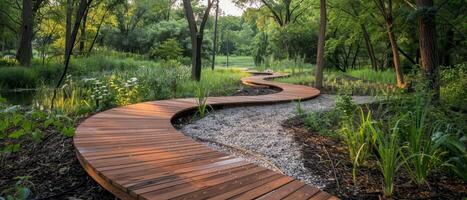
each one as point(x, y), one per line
point(453, 87)
point(358, 137)
point(125, 92)
point(389, 158)
point(234, 61)
point(422, 154)
point(18, 125)
point(168, 50)
point(71, 98)
point(335, 82)
point(20, 191)
point(8, 62)
point(385, 77)
point(298, 108)
point(324, 122)
point(201, 97)
point(296, 66)
point(17, 77)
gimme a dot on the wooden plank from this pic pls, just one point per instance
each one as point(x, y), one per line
point(135, 152)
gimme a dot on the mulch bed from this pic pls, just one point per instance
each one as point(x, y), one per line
point(328, 157)
point(253, 91)
point(54, 170)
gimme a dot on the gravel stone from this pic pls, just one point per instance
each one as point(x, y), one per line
point(257, 132)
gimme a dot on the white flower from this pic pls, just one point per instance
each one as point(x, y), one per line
point(134, 79)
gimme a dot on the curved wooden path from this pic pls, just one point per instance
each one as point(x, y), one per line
point(136, 153)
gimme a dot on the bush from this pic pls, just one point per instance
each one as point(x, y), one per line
point(8, 62)
point(453, 86)
point(168, 50)
point(17, 77)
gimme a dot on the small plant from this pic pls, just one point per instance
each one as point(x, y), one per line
point(324, 122)
point(298, 107)
point(20, 191)
point(18, 125)
point(346, 106)
point(389, 159)
point(358, 139)
point(201, 100)
point(126, 91)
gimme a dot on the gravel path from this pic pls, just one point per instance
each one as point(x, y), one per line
point(257, 130)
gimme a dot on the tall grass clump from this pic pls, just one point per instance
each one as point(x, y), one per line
point(384, 76)
point(201, 97)
point(220, 82)
point(389, 159)
point(71, 99)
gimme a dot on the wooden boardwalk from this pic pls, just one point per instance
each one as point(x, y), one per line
point(136, 153)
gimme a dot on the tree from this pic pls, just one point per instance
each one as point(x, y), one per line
point(196, 36)
point(214, 44)
point(428, 44)
point(282, 11)
point(321, 43)
point(385, 8)
point(82, 39)
point(29, 9)
point(69, 13)
point(25, 47)
point(82, 7)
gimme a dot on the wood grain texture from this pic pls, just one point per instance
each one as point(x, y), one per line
point(135, 153)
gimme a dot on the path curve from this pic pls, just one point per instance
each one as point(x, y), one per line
point(135, 153)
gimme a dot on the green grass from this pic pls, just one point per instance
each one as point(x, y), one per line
point(220, 82)
point(235, 61)
point(15, 77)
point(335, 82)
point(386, 77)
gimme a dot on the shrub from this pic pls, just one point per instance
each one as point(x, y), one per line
point(8, 62)
point(453, 86)
point(324, 122)
point(168, 50)
point(17, 77)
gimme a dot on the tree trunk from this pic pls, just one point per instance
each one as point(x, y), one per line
point(354, 60)
point(193, 35)
point(228, 49)
point(69, 13)
point(369, 47)
point(82, 39)
point(428, 45)
point(214, 45)
point(395, 53)
point(321, 43)
point(24, 53)
point(197, 68)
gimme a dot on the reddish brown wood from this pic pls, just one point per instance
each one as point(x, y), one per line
point(136, 153)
